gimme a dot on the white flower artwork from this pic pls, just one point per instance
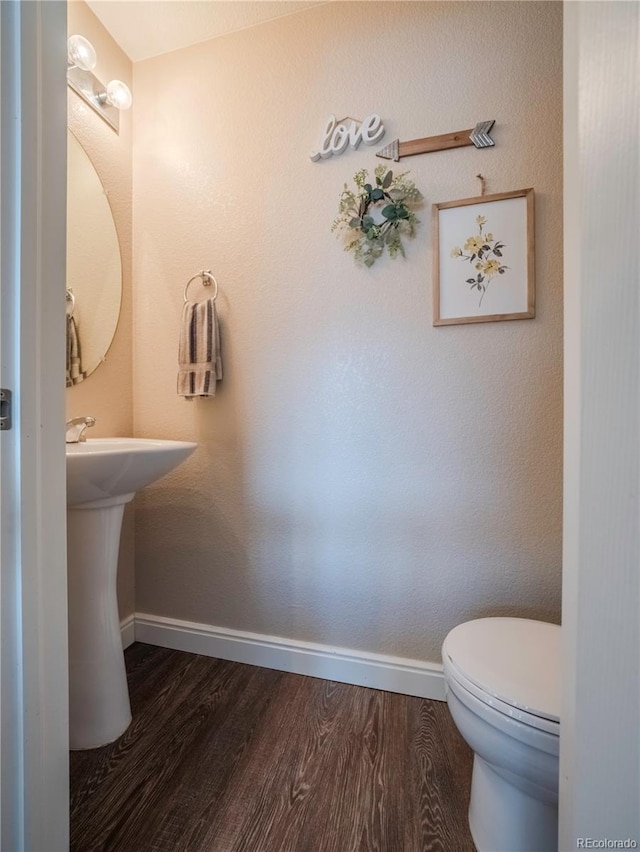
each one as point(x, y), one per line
point(484, 258)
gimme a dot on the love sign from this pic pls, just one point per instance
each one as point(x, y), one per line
point(338, 135)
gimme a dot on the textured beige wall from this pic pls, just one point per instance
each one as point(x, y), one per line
point(107, 393)
point(363, 479)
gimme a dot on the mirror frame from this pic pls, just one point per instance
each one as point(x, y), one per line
point(103, 356)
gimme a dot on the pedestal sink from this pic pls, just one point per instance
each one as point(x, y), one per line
point(103, 475)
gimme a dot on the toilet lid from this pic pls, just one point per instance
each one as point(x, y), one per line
point(514, 660)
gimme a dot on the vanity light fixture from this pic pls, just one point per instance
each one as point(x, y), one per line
point(108, 100)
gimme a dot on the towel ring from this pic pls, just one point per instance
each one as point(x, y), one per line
point(207, 281)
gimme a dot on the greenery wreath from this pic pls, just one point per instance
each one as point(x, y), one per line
point(391, 197)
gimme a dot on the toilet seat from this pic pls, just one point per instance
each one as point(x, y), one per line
point(510, 664)
point(502, 707)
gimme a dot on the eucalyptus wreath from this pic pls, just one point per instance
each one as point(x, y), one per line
point(392, 197)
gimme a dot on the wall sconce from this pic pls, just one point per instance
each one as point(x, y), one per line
point(108, 100)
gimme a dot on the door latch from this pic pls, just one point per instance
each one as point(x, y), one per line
point(5, 409)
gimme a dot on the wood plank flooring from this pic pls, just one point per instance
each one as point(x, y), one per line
point(224, 757)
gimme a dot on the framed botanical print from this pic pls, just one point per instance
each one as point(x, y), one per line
point(484, 251)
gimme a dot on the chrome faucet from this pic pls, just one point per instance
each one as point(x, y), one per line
point(76, 427)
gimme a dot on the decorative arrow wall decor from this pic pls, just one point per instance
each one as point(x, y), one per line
point(478, 136)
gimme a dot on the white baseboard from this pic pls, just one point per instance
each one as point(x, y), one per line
point(127, 630)
point(378, 671)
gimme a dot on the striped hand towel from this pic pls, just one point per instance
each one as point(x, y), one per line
point(74, 359)
point(199, 359)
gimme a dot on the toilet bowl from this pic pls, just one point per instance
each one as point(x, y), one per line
point(502, 679)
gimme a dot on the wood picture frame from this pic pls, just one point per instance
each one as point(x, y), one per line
point(493, 237)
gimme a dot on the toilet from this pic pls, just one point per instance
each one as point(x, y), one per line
point(502, 679)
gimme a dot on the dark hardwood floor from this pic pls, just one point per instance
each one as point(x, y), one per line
point(224, 757)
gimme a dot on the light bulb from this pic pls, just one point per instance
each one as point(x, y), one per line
point(80, 52)
point(118, 95)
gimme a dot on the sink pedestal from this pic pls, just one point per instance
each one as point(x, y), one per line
point(103, 474)
point(99, 709)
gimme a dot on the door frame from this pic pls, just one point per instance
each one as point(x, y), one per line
point(33, 664)
point(34, 784)
point(600, 740)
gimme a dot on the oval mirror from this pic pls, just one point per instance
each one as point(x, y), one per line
point(94, 267)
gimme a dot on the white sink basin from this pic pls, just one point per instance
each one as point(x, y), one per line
point(102, 475)
point(106, 468)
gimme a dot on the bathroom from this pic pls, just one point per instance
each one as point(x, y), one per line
point(364, 480)
point(358, 483)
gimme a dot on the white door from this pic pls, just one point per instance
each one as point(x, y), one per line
point(33, 654)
